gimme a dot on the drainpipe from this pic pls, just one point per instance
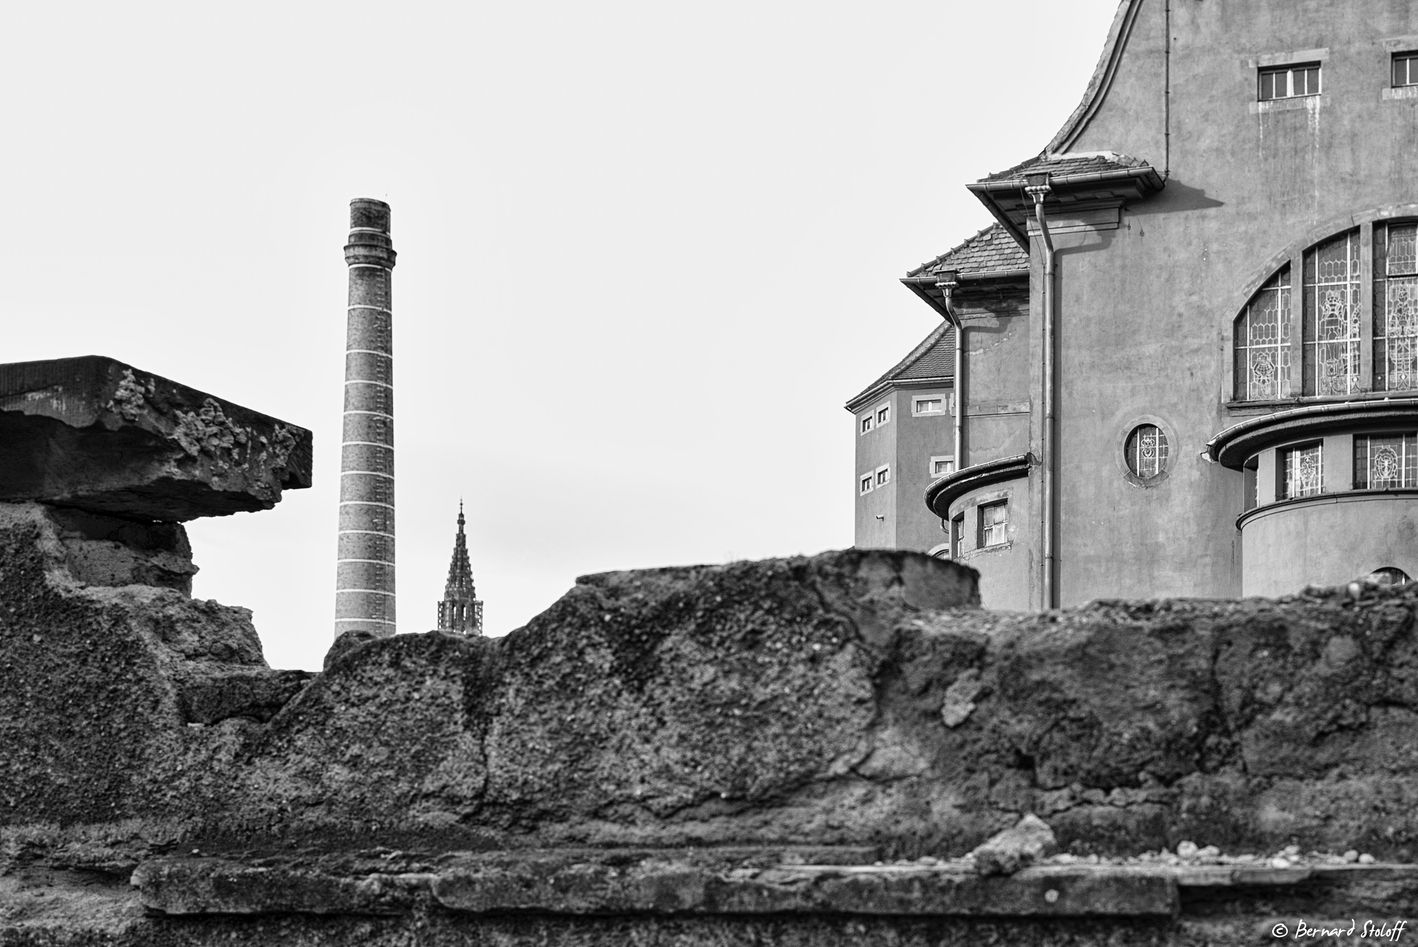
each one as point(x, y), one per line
point(1037, 187)
point(957, 391)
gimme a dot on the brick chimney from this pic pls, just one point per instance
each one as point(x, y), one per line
point(364, 577)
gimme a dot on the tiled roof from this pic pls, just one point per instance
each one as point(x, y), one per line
point(992, 250)
point(933, 357)
point(1066, 166)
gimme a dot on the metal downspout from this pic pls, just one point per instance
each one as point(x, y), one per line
point(1038, 188)
point(957, 391)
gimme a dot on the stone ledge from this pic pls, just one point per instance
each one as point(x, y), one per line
point(104, 437)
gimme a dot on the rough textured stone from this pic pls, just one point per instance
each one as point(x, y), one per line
point(91, 722)
point(1015, 848)
point(101, 436)
point(789, 702)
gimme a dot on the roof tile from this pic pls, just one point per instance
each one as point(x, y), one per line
point(1063, 165)
point(933, 357)
point(992, 250)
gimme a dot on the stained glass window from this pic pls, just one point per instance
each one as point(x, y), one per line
point(1331, 318)
point(1262, 342)
point(1396, 307)
point(1385, 461)
point(1301, 471)
point(1146, 451)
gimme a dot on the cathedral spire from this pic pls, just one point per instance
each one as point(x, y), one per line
point(460, 612)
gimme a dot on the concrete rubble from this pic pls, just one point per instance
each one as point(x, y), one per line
point(828, 750)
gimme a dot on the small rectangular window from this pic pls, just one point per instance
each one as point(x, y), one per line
point(864, 485)
point(1289, 82)
point(1385, 461)
point(940, 466)
point(934, 404)
point(866, 424)
point(883, 414)
point(883, 476)
point(1301, 472)
point(1405, 69)
point(957, 536)
point(994, 523)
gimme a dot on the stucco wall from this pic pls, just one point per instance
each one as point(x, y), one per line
point(1328, 540)
point(1006, 570)
point(1146, 310)
point(918, 439)
point(874, 449)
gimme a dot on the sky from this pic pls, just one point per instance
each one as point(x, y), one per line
point(647, 250)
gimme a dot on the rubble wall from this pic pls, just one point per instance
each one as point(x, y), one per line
point(857, 702)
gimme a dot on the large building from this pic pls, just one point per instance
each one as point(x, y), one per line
point(1195, 371)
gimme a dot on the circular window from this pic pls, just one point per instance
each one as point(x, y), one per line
point(1146, 452)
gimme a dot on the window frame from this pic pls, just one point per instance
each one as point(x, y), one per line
point(942, 400)
point(1288, 71)
point(882, 414)
point(1309, 333)
point(1285, 470)
point(866, 483)
point(1409, 59)
point(1407, 459)
point(957, 535)
point(944, 458)
point(1133, 443)
point(983, 529)
point(883, 476)
point(866, 424)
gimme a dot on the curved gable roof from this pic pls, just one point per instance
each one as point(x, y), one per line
point(1101, 80)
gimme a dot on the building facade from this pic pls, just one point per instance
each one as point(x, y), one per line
point(904, 440)
point(1205, 380)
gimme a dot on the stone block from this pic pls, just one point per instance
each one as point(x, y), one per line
point(104, 437)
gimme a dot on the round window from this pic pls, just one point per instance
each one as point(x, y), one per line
point(1146, 452)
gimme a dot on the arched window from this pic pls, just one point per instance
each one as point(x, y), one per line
point(1321, 330)
point(1388, 576)
point(1396, 307)
point(1331, 360)
point(1262, 342)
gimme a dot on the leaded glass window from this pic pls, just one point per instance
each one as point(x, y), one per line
point(1331, 318)
point(1396, 307)
point(1301, 471)
point(1146, 451)
point(1262, 342)
point(1385, 461)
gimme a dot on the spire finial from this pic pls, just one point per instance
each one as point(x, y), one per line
point(461, 520)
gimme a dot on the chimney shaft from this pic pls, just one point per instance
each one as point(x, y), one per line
point(364, 574)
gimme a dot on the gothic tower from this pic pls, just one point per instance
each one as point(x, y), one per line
point(460, 612)
point(364, 572)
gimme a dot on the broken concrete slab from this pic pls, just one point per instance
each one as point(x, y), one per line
point(98, 435)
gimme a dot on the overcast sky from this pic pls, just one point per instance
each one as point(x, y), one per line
point(646, 252)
